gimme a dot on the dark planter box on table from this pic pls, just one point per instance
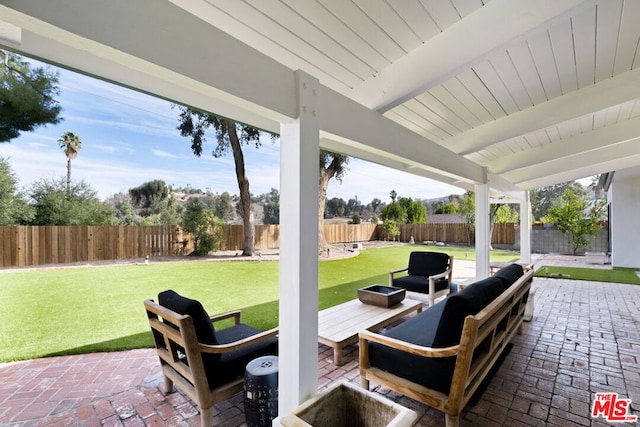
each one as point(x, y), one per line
point(381, 296)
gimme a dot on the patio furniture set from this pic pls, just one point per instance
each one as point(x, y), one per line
point(438, 357)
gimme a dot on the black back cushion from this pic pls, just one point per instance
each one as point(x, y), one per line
point(427, 263)
point(201, 321)
point(509, 274)
point(469, 301)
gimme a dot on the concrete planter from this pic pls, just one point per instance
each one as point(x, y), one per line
point(348, 405)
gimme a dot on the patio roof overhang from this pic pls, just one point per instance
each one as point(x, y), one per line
point(499, 97)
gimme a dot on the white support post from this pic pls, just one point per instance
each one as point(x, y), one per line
point(525, 229)
point(299, 172)
point(483, 231)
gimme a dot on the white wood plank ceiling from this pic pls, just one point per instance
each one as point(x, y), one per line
point(537, 92)
point(486, 80)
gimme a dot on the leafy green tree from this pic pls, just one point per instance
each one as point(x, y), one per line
point(447, 208)
point(336, 207)
point(416, 211)
point(543, 198)
point(271, 208)
point(70, 144)
point(55, 204)
point(223, 206)
point(395, 212)
point(391, 228)
point(229, 136)
point(152, 198)
point(13, 207)
point(26, 97)
point(577, 217)
point(124, 210)
point(355, 219)
point(505, 213)
point(204, 225)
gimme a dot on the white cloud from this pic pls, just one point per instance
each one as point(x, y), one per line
point(164, 154)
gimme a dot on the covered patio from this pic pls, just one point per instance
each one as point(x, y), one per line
point(583, 339)
point(497, 97)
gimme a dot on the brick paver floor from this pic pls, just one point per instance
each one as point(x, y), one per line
point(584, 338)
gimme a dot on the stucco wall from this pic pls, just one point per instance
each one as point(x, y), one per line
point(624, 197)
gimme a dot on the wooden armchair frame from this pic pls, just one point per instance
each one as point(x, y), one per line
point(180, 356)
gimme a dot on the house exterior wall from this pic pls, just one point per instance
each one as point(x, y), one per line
point(624, 197)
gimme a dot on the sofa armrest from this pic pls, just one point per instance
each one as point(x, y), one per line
point(367, 336)
point(394, 272)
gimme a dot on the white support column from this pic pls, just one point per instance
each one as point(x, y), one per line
point(299, 172)
point(482, 230)
point(525, 228)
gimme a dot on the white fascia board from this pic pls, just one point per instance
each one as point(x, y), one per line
point(163, 40)
point(354, 123)
point(494, 25)
point(604, 94)
point(595, 140)
point(586, 171)
point(579, 166)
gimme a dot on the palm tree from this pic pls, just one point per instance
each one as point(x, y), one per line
point(70, 143)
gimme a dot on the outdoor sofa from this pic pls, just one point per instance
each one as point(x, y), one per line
point(441, 356)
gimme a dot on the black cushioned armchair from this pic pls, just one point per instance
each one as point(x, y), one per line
point(428, 273)
point(206, 364)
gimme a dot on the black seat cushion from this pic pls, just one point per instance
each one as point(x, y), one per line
point(423, 263)
point(469, 301)
point(230, 366)
point(205, 332)
point(419, 283)
point(420, 329)
point(509, 274)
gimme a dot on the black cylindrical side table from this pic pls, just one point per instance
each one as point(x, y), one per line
point(261, 391)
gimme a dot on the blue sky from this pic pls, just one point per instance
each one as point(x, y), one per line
point(129, 138)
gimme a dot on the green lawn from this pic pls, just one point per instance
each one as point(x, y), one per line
point(616, 275)
point(80, 310)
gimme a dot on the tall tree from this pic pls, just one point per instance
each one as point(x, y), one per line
point(229, 136)
point(13, 207)
point(70, 144)
point(26, 97)
point(332, 165)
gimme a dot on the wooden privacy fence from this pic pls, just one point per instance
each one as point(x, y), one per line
point(503, 233)
point(38, 245)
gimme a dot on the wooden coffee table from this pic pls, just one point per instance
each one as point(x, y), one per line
point(339, 325)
